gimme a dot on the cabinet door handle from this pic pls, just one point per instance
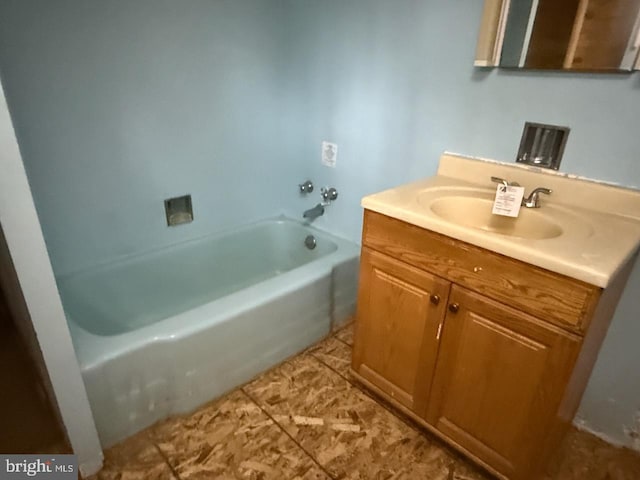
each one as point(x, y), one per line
point(435, 299)
point(454, 307)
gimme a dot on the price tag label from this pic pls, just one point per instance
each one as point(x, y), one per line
point(508, 201)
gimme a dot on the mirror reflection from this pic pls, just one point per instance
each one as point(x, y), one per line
point(582, 35)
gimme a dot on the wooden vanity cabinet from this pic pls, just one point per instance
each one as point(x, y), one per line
point(489, 353)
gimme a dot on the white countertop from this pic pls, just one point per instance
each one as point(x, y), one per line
point(600, 222)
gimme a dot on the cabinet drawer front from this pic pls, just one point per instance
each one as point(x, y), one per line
point(550, 296)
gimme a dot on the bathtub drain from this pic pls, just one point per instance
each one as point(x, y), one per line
point(310, 242)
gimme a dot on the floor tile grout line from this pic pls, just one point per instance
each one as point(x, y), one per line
point(389, 408)
point(371, 396)
point(308, 454)
point(166, 460)
point(407, 422)
point(330, 367)
point(335, 333)
point(358, 387)
point(342, 341)
point(362, 389)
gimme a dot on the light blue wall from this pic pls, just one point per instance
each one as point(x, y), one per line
point(120, 104)
point(392, 83)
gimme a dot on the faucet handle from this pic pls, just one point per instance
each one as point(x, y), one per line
point(329, 193)
point(500, 180)
point(306, 187)
point(533, 200)
point(506, 183)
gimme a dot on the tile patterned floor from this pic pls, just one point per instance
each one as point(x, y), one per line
point(307, 420)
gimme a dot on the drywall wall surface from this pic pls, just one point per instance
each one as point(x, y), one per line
point(119, 105)
point(611, 405)
point(29, 255)
point(393, 84)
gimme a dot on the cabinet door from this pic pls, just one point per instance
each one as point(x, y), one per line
point(400, 314)
point(500, 378)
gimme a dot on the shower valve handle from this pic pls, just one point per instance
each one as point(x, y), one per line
point(306, 187)
point(329, 193)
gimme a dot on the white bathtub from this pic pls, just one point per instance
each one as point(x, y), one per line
point(164, 332)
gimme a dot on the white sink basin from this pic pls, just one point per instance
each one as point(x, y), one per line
point(585, 230)
point(475, 212)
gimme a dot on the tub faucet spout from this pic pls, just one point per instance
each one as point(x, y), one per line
point(314, 212)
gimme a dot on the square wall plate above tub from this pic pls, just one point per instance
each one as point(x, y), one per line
point(178, 210)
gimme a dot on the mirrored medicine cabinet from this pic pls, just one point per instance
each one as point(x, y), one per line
point(572, 35)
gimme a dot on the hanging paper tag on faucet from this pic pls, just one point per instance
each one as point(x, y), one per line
point(508, 200)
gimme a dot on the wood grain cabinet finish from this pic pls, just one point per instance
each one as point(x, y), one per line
point(397, 346)
point(499, 373)
point(556, 298)
point(487, 352)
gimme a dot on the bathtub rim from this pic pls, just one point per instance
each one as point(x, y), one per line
point(94, 350)
point(199, 238)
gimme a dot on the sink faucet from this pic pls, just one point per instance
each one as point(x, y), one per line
point(533, 200)
point(504, 182)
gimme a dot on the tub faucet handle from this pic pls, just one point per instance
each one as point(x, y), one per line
point(329, 194)
point(306, 187)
